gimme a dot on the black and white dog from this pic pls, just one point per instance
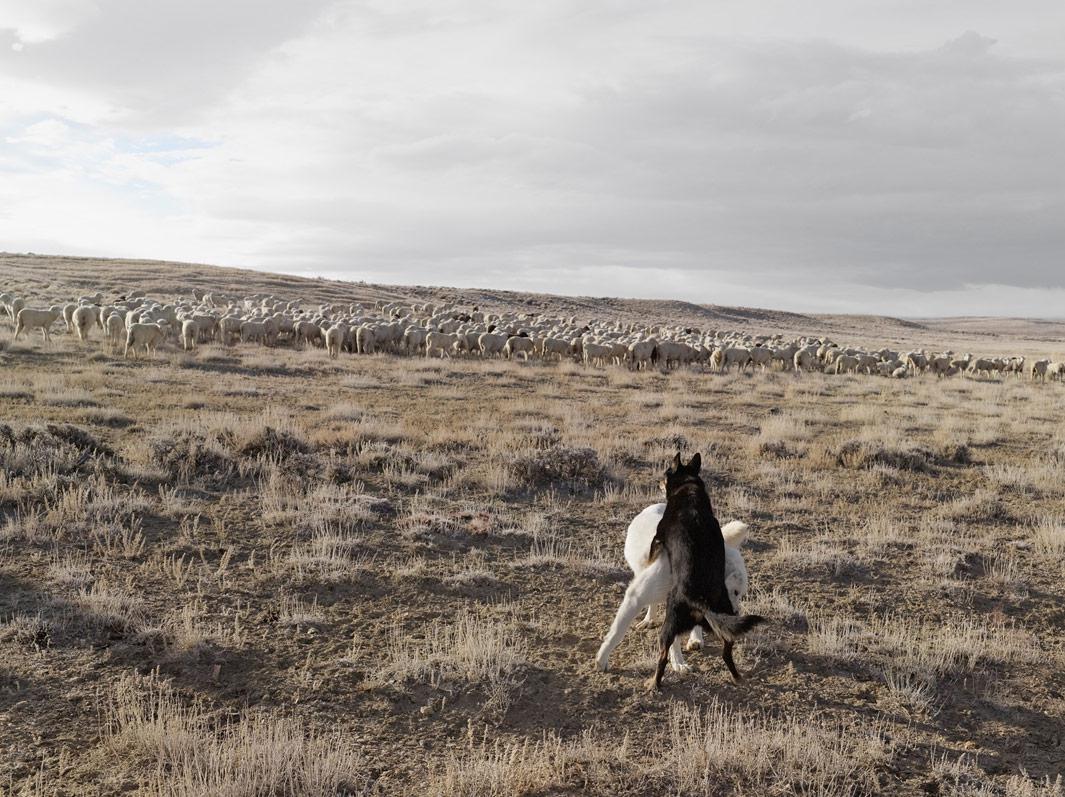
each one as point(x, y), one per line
point(690, 537)
point(651, 581)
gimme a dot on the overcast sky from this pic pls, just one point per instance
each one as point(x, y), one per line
point(901, 156)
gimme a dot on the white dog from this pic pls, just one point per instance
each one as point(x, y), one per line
point(650, 583)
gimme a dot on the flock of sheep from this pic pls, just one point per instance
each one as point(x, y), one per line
point(136, 323)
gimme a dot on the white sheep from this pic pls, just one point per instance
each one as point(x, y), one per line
point(414, 339)
point(365, 340)
point(867, 363)
point(306, 331)
point(115, 327)
point(518, 345)
point(146, 336)
point(253, 330)
point(189, 332)
point(83, 319)
point(68, 316)
point(845, 363)
point(334, 339)
point(442, 342)
point(651, 580)
point(30, 318)
point(642, 354)
point(805, 360)
point(14, 307)
point(597, 353)
point(556, 346)
point(761, 357)
point(229, 325)
point(739, 356)
point(491, 344)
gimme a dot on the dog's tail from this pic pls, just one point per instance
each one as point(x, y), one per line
point(730, 627)
point(735, 533)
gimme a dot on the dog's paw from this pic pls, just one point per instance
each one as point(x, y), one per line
point(693, 644)
point(640, 626)
point(680, 667)
point(652, 685)
point(602, 663)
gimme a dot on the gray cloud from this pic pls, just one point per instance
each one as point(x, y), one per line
point(677, 146)
point(160, 63)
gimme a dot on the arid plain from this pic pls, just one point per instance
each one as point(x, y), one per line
point(257, 570)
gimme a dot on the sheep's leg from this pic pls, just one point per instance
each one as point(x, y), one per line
point(636, 597)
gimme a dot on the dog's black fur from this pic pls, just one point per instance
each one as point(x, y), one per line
point(690, 536)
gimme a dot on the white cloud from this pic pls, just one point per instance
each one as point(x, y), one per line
point(707, 150)
point(43, 20)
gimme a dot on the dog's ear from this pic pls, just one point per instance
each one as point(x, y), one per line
point(695, 464)
point(676, 466)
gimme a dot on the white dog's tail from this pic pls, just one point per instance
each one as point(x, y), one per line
point(735, 533)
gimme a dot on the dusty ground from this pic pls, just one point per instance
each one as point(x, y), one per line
point(258, 571)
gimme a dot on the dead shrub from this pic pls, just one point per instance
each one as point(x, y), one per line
point(272, 443)
point(778, 449)
point(863, 454)
point(557, 465)
point(34, 450)
point(188, 455)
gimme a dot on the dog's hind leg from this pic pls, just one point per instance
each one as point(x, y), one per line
point(647, 618)
point(654, 683)
point(640, 593)
point(672, 625)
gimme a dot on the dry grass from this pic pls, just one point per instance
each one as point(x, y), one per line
point(192, 755)
point(389, 575)
point(470, 649)
point(759, 754)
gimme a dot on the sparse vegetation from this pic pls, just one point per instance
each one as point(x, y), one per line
point(243, 572)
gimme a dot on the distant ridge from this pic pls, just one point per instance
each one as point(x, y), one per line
point(55, 277)
point(849, 318)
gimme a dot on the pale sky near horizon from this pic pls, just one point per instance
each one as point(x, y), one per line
point(895, 156)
